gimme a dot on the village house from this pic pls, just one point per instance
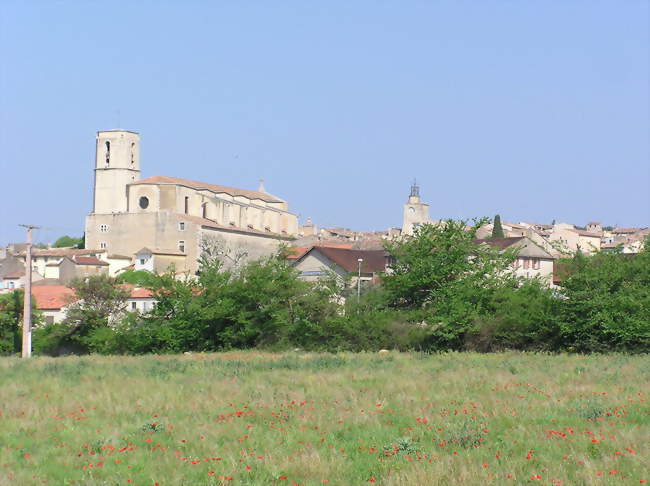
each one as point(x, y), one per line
point(345, 264)
point(569, 239)
point(53, 300)
point(532, 260)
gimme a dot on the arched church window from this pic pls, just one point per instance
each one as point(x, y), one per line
point(144, 202)
point(108, 153)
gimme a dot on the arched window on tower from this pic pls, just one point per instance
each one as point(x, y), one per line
point(108, 153)
point(132, 153)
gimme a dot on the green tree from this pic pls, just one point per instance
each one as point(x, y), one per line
point(68, 242)
point(497, 230)
point(445, 278)
point(11, 320)
point(100, 303)
point(263, 304)
point(606, 302)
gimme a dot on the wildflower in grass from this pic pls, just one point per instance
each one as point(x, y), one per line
point(282, 478)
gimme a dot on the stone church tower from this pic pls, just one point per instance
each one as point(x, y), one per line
point(415, 212)
point(117, 163)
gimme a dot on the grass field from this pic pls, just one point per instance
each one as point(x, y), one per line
point(261, 419)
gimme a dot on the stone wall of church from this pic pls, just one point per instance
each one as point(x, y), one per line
point(126, 233)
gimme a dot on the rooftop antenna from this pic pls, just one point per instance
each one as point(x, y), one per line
point(261, 188)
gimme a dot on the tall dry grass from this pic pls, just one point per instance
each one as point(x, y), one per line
point(258, 418)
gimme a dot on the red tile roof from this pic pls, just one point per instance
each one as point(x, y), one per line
point(373, 260)
point(211, 224)
point(210, 187)
point(16, 274)
point(298, 252)
point(160, 251)
point(52, 297)
point(502, 243)
point(62, 252)
point(586, 233)
point(137, 292)
point(85, 260)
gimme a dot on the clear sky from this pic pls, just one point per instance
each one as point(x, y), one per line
point(534, 110)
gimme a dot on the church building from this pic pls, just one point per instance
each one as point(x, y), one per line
point(167, 218)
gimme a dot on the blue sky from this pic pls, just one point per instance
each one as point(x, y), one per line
point(534, 110)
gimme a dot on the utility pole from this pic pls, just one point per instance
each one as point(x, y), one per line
point(27, 309)
point(360, 260)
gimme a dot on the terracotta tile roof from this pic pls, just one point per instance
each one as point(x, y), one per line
point(625, 230)
point(502, 243)
point(210, 187)
point(47, 281)
point(52, 297)
point(373, 260)
point(586, 233)
point(211, 224)
point(118, 257)
point(137, 292)
point(16, 274)
point(296, 253)
point(86, 260)
point(62, 252)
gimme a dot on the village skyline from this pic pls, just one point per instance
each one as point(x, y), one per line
point(526, 111)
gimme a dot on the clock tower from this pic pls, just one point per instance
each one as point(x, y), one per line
point(415, 211)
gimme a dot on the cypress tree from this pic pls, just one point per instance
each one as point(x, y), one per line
point(497, 230)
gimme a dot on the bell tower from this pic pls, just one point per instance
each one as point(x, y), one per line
point(117, 163)
point(415, 211)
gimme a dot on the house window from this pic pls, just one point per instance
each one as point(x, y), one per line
point(204, 210)
point(187, 204)
point(144, 202)
point(49, 319)
point(181, 246)
point(12, 285)
point(103, 228)
point(181, 226)
point(142, 260)
point(526, 262)
point(103, 245)
point(133, 305)
point(536, 264)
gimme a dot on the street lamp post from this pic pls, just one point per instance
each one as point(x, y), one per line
point(360, 260)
